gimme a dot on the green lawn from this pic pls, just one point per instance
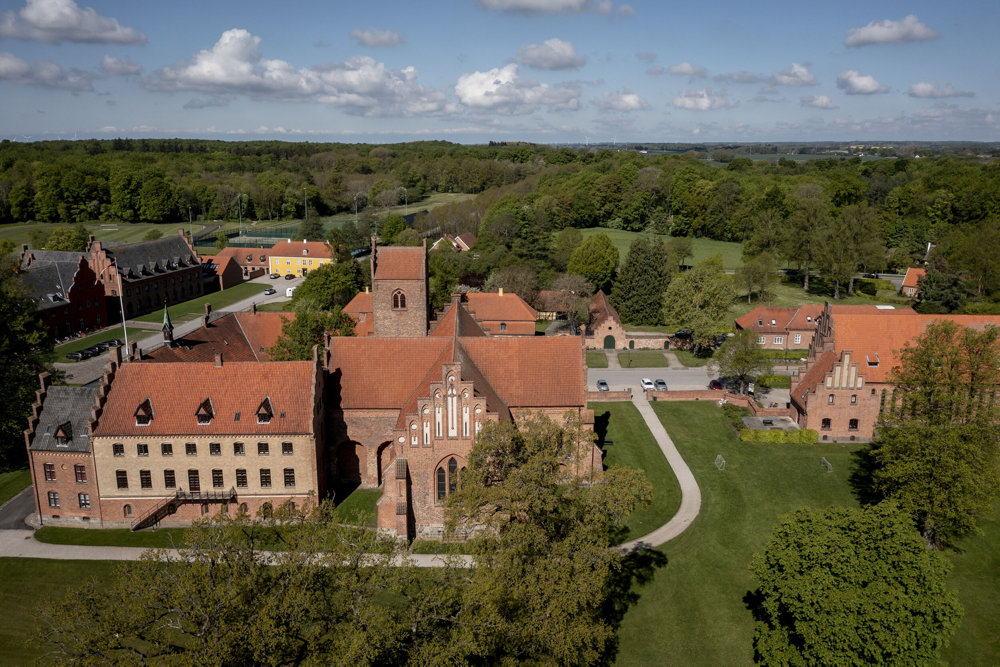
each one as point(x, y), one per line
point(60, 351)
point(688, 358)
point(790, 294)
point(692, 612)
point(775, 381)
point(358, 508)
point(189, 310)
point(166, 538)
point(975, 575)
point(732, 253)
point(29, 583)
point(102, 231)
point(597, 360)
point(13, 482)
point(642, 359)
point(626, 441)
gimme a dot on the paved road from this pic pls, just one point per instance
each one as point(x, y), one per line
point(676, 378)
point(15, 510)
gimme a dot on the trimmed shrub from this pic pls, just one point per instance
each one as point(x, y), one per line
point(773, 381)
point(805, 436)
point(735, 414)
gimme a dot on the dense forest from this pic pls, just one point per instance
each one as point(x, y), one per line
point(835, 215)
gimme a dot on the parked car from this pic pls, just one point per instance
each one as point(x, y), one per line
point(602, 385)
point(715, 384)
point(115, 342)
point(682, 333)
point(274, 276)
point(74, 356)
point(871, 275)
point(269, 291)
point(102, 346)
point(661, 385)
point(289, 276)
point(648, 384)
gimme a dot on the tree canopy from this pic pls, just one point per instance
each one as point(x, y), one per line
point(848, 586)
point(595, 259)
point(642, 280)
point(299, 334)
point(741, 359)
point(328, 286)
point(699, 299)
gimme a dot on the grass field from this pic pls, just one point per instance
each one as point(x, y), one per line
point(182, 312)
point(688, 358)
point(692, 612)
point(60, 351)
point(642, 359)
point(122, 232)
point(358, 508)
point(628, 442)
point(732, 253)
point(789, 294)
point(13, 482)
point(166, 538)
point(29, 583)
point(597, 360)
point(976, 571)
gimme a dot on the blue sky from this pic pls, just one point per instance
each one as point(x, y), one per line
point(549, 71)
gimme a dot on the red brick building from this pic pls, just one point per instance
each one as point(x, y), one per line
point(911, 282)
point(253, 262)
point(845, 385)
point(220, 272)
point(782, 328)
point(500, 313)
point(65, 289)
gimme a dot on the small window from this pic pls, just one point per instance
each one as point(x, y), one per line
point(81, 473)
point(241, 478)
point(191, 449)
point(194, 482)
point(205, 412)
point(265, 478)
point(169, 480)
point(829, 399)
point(53, 499)
point(761, 340)
point(118, 449)
point(238, 449)
point(217, 479)
point(773, 323)
point(50, 472)
point(264, 411)
point(797, 340)
point(852, 425)
point(286, 448)
point(854, 399)
point(166, 449)
point(214, 449)
point(145, 480)
point(84, 500)
point(142, 449)
point(127, 511)
point(503, 326)
point(121, 477)
point(262, 449)
point(826, 424)
point(144, 413)
point(778, 340)
point(289, 477)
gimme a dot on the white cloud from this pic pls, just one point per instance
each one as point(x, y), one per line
point(818, 102)
point(930, 89)
point(854, 83)
point(739, 77)
point(623, 101)
point(796, 75)
point(910, 29)
point(57, 21)
point(605, 7)
point(687, 69)
point(626, 11)
point(646, 56)
point(701, 100)
point(376, 38)
point(551, 54)
point(503, 91)
point(360, 86)
point(120, 66)
point(43, 73)
point(536, 6)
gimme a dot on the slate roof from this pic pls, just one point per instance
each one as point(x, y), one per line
point(135, 260)
point(62, 405)
point(50, 281)
point(177, 390)
point(493, 306)
point(399, 263)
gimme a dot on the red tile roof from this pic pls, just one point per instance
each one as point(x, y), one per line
point(496, 307)
point(240, 255)
point(399, 263)
point(554, 300)
point(805, 317)
point(765, 315)
point(600, 309)
point(380, 373)
point(296, 248)
point(360, 308)
point(262, 330)
point(455, 317)
point(913, 276)
point(176, 391)
point(812, 377)
point(532, 372)
point(237, 336)
point(467, 240)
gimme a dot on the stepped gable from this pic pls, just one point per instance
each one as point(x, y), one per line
point(62, 423)
point(600, 309)
point(813, 377)
point(149, 257)
point(177, 391)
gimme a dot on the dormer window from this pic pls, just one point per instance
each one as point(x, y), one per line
point(144, 413)
point(64, 434)
point(872, 362)
point(265, 412)
point(760, 323)
point(205, 412)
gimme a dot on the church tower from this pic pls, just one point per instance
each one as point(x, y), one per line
point(399, 291)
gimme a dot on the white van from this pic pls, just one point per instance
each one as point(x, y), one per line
point(290, 291)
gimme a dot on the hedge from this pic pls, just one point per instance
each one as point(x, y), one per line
point(805, 436)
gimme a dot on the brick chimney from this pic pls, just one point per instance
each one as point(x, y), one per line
point(218, 360)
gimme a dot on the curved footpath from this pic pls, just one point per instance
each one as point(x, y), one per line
point(21, 543)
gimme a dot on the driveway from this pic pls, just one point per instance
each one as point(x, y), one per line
point(15, 510)
point(620, 379)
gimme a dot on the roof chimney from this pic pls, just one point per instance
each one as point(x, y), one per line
point(218, 360)
point(253, 308)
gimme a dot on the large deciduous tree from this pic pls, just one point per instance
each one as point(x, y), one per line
point(699, 299)
point(741, 359)
point(74, 238)
point(329, 286)
point(847, 586)
point(639, 288)
point(803, 233)
point(306, 330)
point(596, 260)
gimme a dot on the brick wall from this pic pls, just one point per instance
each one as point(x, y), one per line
point(66, 486)
point(408, 322)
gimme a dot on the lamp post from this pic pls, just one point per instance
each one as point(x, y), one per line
point(121, 302)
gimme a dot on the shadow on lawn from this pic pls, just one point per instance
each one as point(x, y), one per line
point(638, 569)
point(862, 479)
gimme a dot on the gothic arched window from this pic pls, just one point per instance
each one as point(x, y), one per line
point(398, 300)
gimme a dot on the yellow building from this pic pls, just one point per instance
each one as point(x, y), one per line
point(299, 257)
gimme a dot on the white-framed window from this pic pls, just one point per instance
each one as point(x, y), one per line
point(761, 340)
point(778, 340)
point(797, 340)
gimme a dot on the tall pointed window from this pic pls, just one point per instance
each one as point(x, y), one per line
point(447, 478)
point(205, 412)
point(398, 300)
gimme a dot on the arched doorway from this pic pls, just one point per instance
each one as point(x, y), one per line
point(609, 342)
point(631, 345)
point(383, 455)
